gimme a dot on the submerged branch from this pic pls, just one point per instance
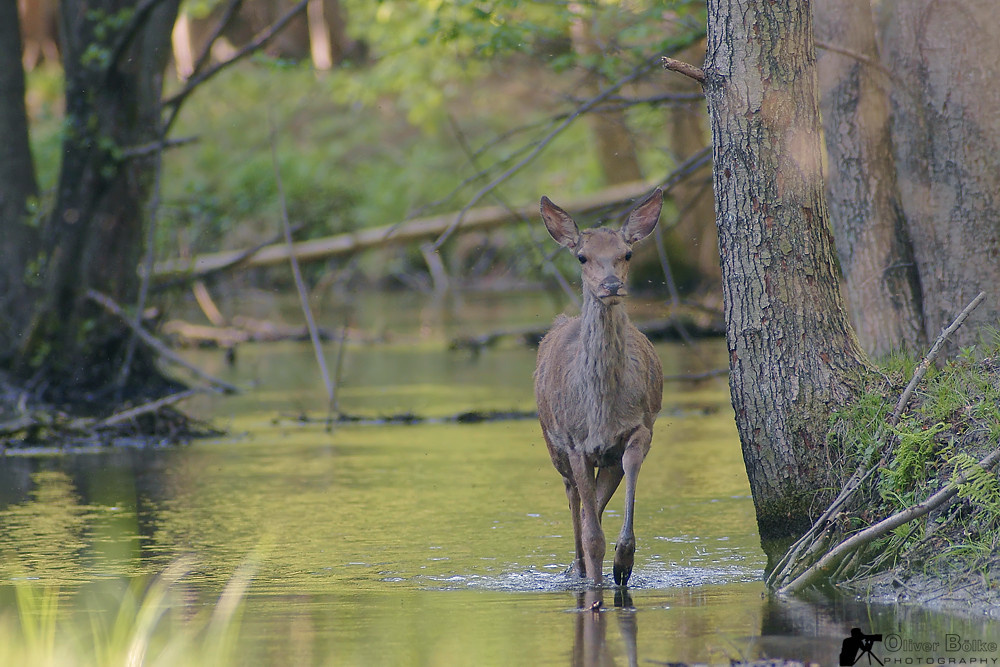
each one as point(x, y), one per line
point(153, 342)
point(300, 284)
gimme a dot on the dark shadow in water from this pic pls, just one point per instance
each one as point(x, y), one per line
point(590, 643)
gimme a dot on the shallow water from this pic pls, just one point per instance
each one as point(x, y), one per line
point(431, 544)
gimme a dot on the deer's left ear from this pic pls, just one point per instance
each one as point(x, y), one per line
point(643, 218)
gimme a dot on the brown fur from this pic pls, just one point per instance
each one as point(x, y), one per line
point(598, 385)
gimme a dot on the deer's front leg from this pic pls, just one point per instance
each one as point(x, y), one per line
point(632, 458)
point(591, 535)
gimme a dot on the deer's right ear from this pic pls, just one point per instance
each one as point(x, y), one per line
point(561, 227)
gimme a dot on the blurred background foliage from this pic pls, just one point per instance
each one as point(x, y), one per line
point(425, 102)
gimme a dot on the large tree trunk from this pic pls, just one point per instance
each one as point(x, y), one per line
point(873, 241)
point(946, 134)
point(793, 353)
point(17, 181)
point(113, 61)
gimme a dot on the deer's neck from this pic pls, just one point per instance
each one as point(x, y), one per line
point(602, 336)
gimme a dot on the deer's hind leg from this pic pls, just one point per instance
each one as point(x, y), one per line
point(579, 567)
point(591, 534)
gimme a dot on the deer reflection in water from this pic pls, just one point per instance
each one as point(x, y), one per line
point(590, 643)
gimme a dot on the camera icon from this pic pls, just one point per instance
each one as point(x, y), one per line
point(857, 645)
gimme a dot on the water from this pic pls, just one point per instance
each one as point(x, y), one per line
point(431, 544)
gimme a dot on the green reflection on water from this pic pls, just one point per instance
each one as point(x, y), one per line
point(436, 544)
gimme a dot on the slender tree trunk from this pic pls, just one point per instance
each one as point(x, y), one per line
point(694, 238)
point(944, 57)
point(873, 241)
point(793, 354)
point(615, 146)
point(17, 181)
point(114, 61)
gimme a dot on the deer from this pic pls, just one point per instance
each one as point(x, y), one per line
point(599, 386)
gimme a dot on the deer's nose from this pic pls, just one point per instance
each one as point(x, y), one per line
point(611, 285)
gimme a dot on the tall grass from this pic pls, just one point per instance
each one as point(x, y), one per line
point(151, 623)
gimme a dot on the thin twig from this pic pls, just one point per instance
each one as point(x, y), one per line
point(176, 100)
point(935, 350)
point(860, 57)
point(693, 377)
point(235, 261)
point(147, 263)
point(472, 157)
point(884, 526)
point(146, 408)
point(684, 68)
point(539, 147)
point(300, 283)
point(152, 147)
point(149, 339)
point(227, 17)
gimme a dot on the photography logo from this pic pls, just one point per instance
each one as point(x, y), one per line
point(858, 645)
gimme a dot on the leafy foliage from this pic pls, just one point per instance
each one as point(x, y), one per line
point(954, 420)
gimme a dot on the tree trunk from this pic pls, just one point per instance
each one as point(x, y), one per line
point(17, 181)
point(793, 353)
point(873, 242)
point(113, 61)
point(694, 239)
point(946, 135)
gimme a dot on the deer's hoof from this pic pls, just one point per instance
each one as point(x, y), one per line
point(622, 574)
point(624, 559)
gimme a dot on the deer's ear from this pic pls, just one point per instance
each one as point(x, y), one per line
point(643, 218)
point(561, 227)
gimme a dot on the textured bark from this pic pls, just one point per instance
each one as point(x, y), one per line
point(113, 62)
point(873, 241)
point(944, 56)
point(17, 178)
point(793, 354)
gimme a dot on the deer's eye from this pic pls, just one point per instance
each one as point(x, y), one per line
point(583, 260)
point(628, 255)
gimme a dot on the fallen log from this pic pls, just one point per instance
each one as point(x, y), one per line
point(418, 229)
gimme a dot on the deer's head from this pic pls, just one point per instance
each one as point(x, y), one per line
point(603, 253)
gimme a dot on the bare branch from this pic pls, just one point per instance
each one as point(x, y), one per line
point(231, 9)
point(128, 33)
point(149, 339)
point(860, 57)
point(684, 68)
point(146, 408)
point(152, 147)
point(860, 539)
point(935, 350)
point(300, 284)
point(262, 38)
point(540, 146)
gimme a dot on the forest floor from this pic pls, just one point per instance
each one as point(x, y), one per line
point(31, 423)
point(947, 558)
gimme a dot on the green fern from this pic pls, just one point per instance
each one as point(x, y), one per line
point(913, 456)
point(981, 486)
